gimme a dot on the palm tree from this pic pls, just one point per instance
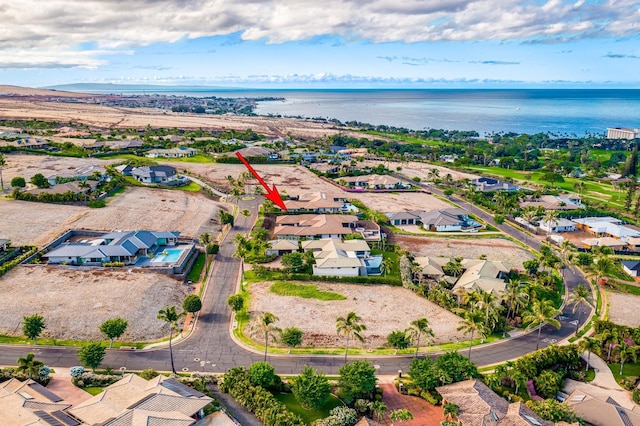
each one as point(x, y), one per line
point(487, 302)
point(171, 316)
point(460, 294)
point(551, 219)
point(539, 312)
point(590, 344)
point(529, 215)
point(418, 328)
point(30, 365)
point(350, 326)
point(580, 294)
point(626, 352)
point(385, 266)
point(514, 297)
point(473, 322)
point(378, 408)
point(565, 253)
point(264, 325)
point(601, 268)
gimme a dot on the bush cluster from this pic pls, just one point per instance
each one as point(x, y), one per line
point(113, 264)
point(86, 379)
point(13, 373)
point(26, 252)
point(258, 400)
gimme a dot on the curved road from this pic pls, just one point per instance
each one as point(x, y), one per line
point(211, 349)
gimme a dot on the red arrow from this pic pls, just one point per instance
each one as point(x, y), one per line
point(272, 194)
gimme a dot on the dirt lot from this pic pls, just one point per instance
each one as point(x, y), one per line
point(137, 208)
point(469, 248)
point(28, 165)
point(61, 294)
point(383, 309)
point(623, 308)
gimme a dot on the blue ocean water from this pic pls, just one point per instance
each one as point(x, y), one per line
point(558, 111)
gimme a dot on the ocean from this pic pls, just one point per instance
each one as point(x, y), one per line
point(557, 111)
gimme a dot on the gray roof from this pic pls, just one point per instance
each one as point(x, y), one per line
point(153, 171)
point(443, 217)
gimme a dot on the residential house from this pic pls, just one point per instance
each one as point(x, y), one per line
point(28, 143)
point(486, 184)
point(606, 227)
point(133, 400)
point(487, 275)
point(374, 182)
point(280, 247)
point(631, 267)
point(62, 188)
point(115, 145)
point(431, 267)
point(325, 167)
point(613, 243)
point(112, 247)
point(97, 173)
point(337, 258)
point(4, 244)
point(29, 403)
point(319, 202)
point(478, 405)
point(312, 226)
point(601, 410)
point(405, 218)
point(554, 202)
point(447, 220)
point(124, 169)
point(633, 244)
point(559, 225)
point(179, 152)
point(255, 151)
point(154, 174)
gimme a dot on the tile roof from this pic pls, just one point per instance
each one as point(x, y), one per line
point(482, 274)
point(309, 225)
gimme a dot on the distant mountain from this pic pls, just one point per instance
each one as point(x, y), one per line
point(29, 91)
point(110, 87)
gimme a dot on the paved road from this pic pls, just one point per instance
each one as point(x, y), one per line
point(211, 349)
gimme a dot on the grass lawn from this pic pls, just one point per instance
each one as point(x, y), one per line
point(191, 187)
point(47, 341)
point(198, 158)
point(628, 288)
point(629, 369)
point(198, 266)
point(308, 415)
point(307, 291)
point(93, 390)
point(590, 375)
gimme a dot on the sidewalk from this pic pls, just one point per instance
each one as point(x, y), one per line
point(61, 385)
point(424, 414)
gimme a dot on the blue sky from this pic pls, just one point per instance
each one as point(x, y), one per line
point(333, 43)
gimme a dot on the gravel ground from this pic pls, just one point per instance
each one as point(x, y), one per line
point(383, 309)
point(623, 308)
point(75, 303)
point(497, 249)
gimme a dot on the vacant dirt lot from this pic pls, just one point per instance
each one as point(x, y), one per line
point(623, 308)
point(383, 309)
point(75, 303)
point(137, 208)
point(470, 248)
point(28, 165)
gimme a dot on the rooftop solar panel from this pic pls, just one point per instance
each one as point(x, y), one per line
point(181, 389)
point(45, 392)
point(47, 418)
point(65, 418)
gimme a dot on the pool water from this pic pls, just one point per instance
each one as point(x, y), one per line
point(172, 255)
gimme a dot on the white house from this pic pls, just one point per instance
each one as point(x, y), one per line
point(559, 225)
point(631, 267)
point(336, 258)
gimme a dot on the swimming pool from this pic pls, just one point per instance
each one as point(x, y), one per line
point(168, 256)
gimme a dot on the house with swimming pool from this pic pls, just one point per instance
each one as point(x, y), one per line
point(142, 248)
point(337, 258)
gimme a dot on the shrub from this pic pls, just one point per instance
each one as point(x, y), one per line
point(18, 182)
point(76, 371)
point(212, 248)
point(148, 374)
point(311, 388)
point(113, 264)
point(548, 383)
point(357, 381)
point(44, 371)
point(339, 416)
point(636, 395)
point(97, 204)
point(261, 374)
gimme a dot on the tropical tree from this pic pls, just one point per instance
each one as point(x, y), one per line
point(357, 380)
point(311, 388)
point(292, 337)
point(417, 329)
point(113, 328)
point(32, 326)
point(385, 266)
point(539, 312)
point(580, 295)
point(378, 408)
point(590, 344)
point(18, 182)
point(192, 303)
point(398, 339)
point(350, 326)
point(30, 364)
point(171, 316)
point(450, 410)
point(235, 302)
point(263, 325)
point(487, 303)
point(473, 322)
point(626, 352)
point(514, 298)
point(91, 354)
point(529, 215)
point(601, 268)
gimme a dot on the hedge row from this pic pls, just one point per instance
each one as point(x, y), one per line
point(27, 251)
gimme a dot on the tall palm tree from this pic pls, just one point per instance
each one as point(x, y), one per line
point(539, 312)
point(529, 215)
point(551, 218)
point(580, 295)
point(30, 364)
point(602, 268)
point(263, 325)
point(626, 352)
point(565, 253)
point(350, 326)
point(473, 322)
point(590, 344)
point(419, 328)
point(487, 303)
point(514, 298)
point(171, 316)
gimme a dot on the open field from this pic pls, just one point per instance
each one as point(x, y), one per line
point(137, 208)
point(623, 308)
point(60, 295)
point(383, 309)
point(27, 165)
point(497, 249)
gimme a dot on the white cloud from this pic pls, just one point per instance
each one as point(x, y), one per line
point(60, 26)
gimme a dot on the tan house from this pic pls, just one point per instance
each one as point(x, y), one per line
point(487, 275)
point(30, 403)
point(318, 202)
point(135, 401)
point(179, 152)
point(373, 182)
point(480, 406)
point(600, 411)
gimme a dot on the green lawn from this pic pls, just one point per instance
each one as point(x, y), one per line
point(198, 266)
point(191, 187)
point(47, 341)
point(628, 288)
point(308, 415)
point(93, 390)
point(629, 369)
point(307, 291)
point(198, 158)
